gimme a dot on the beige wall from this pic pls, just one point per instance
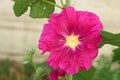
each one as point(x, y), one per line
point(16, 34)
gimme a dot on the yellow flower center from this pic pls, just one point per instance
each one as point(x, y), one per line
point(72, 41)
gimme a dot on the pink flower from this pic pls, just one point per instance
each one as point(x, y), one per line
point(56, 74)
point(72, 38)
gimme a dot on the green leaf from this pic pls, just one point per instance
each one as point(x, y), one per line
point(41, 9)
point(116, 56)
point(21, 6)
point(110, 38)
point(85, 75)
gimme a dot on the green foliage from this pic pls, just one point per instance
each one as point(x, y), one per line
point(116, 75)
point(38, 8)
point(11, 70)
point(110, 38)
point(44, 71)
point(40, 71)
point(116, 55)
point(45, 66)
point(4, 69)
point(85, 75)
point(103, 70)
point(28, 70)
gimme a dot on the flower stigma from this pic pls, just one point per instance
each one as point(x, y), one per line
point(72, 41)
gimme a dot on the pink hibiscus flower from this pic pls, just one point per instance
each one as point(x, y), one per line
point(72, 38)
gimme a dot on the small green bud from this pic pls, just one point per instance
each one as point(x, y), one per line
point(29, 54)
point(31, 50)
point(39, 71)
point(28, 57)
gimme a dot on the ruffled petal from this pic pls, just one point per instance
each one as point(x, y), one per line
point(83, 60)
point(69, 65)
point(59, 24)
point(63, 59)
point(57, 55)
point(70, 16)
point(89, 52)
point(89, 23)
point(49, 39)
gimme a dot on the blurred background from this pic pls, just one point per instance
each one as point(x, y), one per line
point(19, 33)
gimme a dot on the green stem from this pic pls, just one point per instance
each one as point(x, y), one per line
point(68, 2)
point(70, 77)
point(62, 3)
point(34, 65)
point(52, 4)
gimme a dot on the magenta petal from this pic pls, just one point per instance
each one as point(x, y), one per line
point(49, 39)
point(70, 15)
point(69, 66)
point(63, 60)
point(88, 22)
point(56, 73)
point(84, 62)
point(53, 60)
point(59, 24)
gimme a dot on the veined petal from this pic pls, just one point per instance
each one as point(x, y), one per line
point(88, 22)
point(49, 39)
point(83, 60)
point(70, 16)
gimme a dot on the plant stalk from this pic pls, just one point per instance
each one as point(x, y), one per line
point(68, 2)
point(46, 1)
point(34, 65)
point(62, 3)
point(70, 77)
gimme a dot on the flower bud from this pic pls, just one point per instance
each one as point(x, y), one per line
point(39, 71)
